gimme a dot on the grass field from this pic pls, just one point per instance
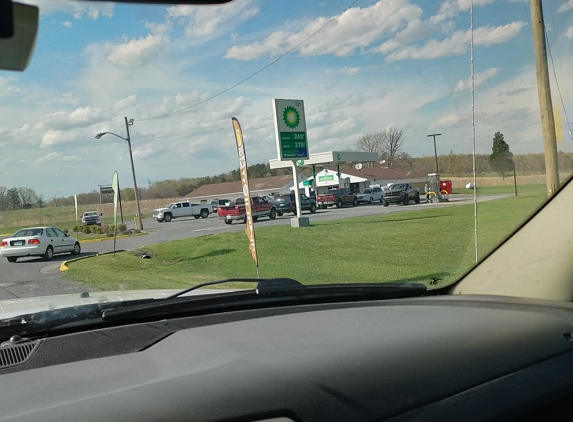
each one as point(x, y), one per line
point(411, 246)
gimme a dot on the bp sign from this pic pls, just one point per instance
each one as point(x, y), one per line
point(290, 129)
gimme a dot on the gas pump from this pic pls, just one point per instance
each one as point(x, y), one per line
point(433, 194)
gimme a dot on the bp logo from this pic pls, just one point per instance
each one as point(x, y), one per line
point(291, 117)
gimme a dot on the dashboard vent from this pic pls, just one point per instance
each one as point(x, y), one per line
point(17, 354)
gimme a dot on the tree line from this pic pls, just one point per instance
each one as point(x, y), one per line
point(388, 145)
point(24, 198)
point(454, 164)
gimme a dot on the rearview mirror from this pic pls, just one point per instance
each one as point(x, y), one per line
point(17, 34)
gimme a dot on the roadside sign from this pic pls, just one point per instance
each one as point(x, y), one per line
point(290, 129)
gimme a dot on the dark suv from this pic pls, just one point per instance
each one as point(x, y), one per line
point(286, 203)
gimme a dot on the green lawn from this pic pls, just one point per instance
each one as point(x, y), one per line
point(399, 247)
point(539, 189)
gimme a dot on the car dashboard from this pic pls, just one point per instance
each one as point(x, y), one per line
point(430, 358)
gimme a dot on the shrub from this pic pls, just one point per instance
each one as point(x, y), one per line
point(77, 228)
point(93, 228)
point(86, 229)
point(121, 228)
point(105, 229)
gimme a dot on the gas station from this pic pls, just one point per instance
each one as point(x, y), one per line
point(327, 160)
point(292, 149)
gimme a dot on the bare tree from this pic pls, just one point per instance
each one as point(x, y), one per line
point(392, 141)
point(28, 197)
point(372, 142)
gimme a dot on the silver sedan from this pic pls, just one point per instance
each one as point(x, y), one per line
point(38, 241)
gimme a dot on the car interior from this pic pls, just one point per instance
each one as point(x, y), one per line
point(495, 346)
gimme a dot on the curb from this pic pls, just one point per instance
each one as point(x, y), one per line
point(64, 265)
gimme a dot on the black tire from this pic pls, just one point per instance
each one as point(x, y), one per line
point(339, 203)
point(406, 200)
point(49, 254)
point(204, 213)
point(11, 258)
point(312, 208)
point(159, 221)
point(273, 213)
point(196, 217)
point(228, 221)
point(355, 202)
point(385, 203)
point(279, 213)
point(255, 218)
point(323, 207)
point(167, 217)
point(417, 199)
point(77, 249)
point(371, 200)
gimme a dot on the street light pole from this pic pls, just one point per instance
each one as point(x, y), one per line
point(133, 173)
point(128, 139)
point(435, 150)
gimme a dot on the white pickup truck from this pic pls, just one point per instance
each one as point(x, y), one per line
point(181, 209)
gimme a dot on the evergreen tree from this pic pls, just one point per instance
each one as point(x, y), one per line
point(500, 158)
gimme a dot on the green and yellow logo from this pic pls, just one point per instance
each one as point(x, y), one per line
point(291, 117)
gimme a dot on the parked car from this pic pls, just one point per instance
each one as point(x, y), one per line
point(91, 218)
point(338, 197)
point(401, 193)
point(38, 241)
point(216, 203)
point(181, 209)
point(236, 211)
point(286, 203)
point(369, 195)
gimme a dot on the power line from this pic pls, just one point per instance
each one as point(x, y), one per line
point(255, 73)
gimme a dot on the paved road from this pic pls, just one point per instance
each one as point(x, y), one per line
point(35, 277)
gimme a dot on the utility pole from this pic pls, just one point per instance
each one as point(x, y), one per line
point(139, 218)
point(435, 150)
point(544, 93)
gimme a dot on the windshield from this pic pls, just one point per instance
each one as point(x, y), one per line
point(139, 100)
point(28, 232)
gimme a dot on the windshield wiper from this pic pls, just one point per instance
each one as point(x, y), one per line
point(265, 284)
point(268, 292)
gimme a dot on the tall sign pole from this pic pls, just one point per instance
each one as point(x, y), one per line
point(290, 130)
point(249, 226)
point(544, 93)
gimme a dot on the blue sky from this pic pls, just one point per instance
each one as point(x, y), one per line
point(400, 63)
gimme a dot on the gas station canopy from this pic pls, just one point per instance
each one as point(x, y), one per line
point(329, 158)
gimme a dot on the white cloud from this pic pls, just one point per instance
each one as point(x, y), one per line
point(458, 42)
point(205, 20)
point(6, 86)
point(66, 24)
point(566, 6)
point(479, 78)
point(569, 33)
point(138, 52)
point(346, 71)
point(446, 121)
point(78, 9)
point(125, 103)
point(80, 117)
point(54, 156)
point(356, 28)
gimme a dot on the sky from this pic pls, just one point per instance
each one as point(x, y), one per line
point(182, 73)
